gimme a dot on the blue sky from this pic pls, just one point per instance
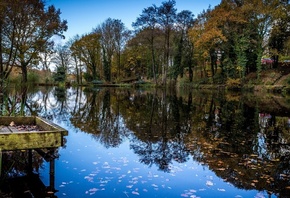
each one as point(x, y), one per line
point(84, 15)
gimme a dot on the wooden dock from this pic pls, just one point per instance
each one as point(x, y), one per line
point(32, 132)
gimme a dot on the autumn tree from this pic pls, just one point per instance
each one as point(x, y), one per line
point(138, 54)
point(76, 61)
point(207, 37)
point(236, 33)
point(280, 32)
point(26, 30)
point(88, 50)
point(113, 38)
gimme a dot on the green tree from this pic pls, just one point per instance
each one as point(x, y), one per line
point(148, 21)
point(183, 51)
point(60, 74)
point(167, 18)
point(261, 20)
point(62, 57)
point(121, 37)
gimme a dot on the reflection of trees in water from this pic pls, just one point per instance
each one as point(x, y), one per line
point(111, 121)
point(101, 116)
point(15, 163)
point(160, 128)
point(235, 152)
point(220, 131)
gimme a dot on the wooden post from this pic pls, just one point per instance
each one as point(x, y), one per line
point(52, 173)
point(0, 162)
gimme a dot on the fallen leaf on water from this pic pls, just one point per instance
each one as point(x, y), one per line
point(93, 190)
point(129, 186)
point(209, 183)
point(155, 186)
point(135, 193)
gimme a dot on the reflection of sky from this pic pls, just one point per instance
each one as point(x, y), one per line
point(87, 169)
point(262, 146)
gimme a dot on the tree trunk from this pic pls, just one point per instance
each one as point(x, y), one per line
point(24, 73)
point(153, 60)
point(190, 73)
point(1, 58)
point(275, 61)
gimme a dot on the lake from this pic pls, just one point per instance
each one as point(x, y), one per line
point(125, 142)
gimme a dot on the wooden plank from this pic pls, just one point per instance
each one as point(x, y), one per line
point(4, 129)
point(49, 126)
point(18, 120)
point(32, 140)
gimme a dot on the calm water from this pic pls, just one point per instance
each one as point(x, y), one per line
point(136, 143)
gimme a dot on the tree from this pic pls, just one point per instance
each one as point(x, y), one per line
point(45, 59)
point(137, 56)
point(261, 20)
point(184, 51)
point(26, 30)
point(148, 20)
point(240, 30)
point(166, 18)
point(121, 35)
point(88, 51)
point(60, 74)
point(75, 56)
point(62, 57)
point(113, 37)
point(206, 37)
point(280, 32)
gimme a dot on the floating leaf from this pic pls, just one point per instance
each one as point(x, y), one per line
point(129, 186)
point(209, 183)
point(135, 193)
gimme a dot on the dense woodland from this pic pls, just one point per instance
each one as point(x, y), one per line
point(222, 43)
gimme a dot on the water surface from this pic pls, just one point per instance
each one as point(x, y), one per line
point(140, 143)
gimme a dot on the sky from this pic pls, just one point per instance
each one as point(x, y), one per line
point(85, 15)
